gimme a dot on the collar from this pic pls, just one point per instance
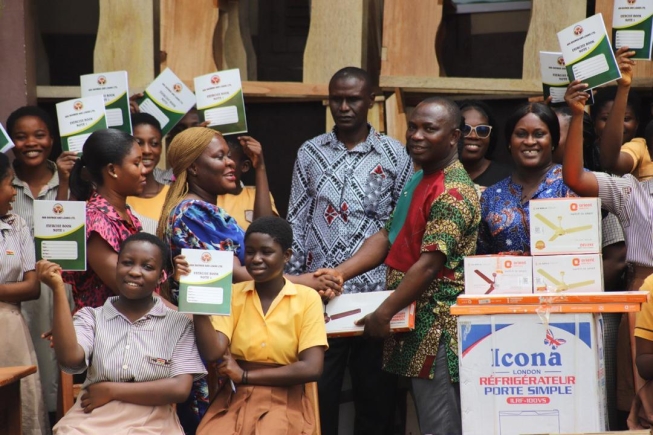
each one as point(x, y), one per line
point(110, 312)
point(372, 141)
point(6, 222)
point(53, 183)
point(289, 289)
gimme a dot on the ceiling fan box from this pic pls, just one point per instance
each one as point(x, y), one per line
point(514, 274)
point(576, 269)
point(571, 213)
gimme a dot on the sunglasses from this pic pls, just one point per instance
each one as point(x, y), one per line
point(482, 131)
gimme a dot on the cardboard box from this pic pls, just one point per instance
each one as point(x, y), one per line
point(498, 274)
point(629, 297)
point(466, 310)
point(565, 226)
point(573, 273)
point(341, 313)
point(520, 376)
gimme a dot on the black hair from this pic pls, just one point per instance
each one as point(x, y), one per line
point(103, 147)
point(542, 111)
point(486, 111)
point(608, 94)
point(452, 110)
point(24, 111)
point(142, 236)
point(277, 228)
point(591, 152)
point(143, 118)
point(5, 166)
point(235, 146)
point(355, 72)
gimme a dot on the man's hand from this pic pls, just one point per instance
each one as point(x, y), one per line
point(575, 97)
point(96, 395)
point(626, 65)
point(375, 327)
point(229, 367)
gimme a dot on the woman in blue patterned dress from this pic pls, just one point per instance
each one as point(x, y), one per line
point(532, 133)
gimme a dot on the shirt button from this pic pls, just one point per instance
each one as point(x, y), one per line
point(124, 367)
point(127, 347)
point(262, 344)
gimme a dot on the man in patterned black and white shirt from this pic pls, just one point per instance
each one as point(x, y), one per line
point(345, 185)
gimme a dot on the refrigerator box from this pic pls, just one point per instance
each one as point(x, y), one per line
point(619, 307)
point(565, 226)
point(519, 375)
point(498, 274)
point(628, 297)
point(341, 312)
point(568, 273)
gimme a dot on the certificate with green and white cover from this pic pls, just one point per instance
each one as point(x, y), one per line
point(5, 141)
point(168, 99)
point(207, 289)
point(60, 233)
point(554, 76)
point(113, 86)
point(632, 24)
point(78, 119)
point(220, 101)
point(587, 52)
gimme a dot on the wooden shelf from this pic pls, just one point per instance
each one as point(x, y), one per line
point(255, 90)
point(480, 8)
point(510, 88)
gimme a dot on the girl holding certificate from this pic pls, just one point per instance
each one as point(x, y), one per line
point(110, 169)
point(18, 283)
point(140, 356)
point(269, 347)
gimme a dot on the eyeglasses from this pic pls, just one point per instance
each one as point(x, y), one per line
point(482, 131)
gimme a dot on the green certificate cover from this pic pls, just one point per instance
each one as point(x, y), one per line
point(5, 141)
point(587, 52)
point(60, 233)
point(78, 119)
point(113, 86)
point(220, 101)
point(168, 99)
point(207, 289)
point(632, 23)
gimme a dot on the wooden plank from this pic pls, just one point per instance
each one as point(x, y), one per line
point(395, 117)
point(547, 18)
point(409, 38)
point(462, 85)
point(13, 374)
point(265, 90)
point(235, 55)
point(643, 69)
point(187, 32)
point(337, 37)
point(123, 45)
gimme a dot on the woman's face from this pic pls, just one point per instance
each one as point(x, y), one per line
point(149, 139)
point(129, 178)
point(214, 172)
point(530, 142)
point(138, 271)
point(474, 147)
point(630, 121)
point(32, 139)
point(7, 193)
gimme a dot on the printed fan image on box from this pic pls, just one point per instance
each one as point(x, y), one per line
point(558, 230)
point(561, 285)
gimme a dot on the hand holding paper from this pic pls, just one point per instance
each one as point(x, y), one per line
point(375, 327)
point(626, 65)
point(576, 97)
point(65, 163)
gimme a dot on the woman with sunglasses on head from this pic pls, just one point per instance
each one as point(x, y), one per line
point(478, 144)
point(533, 132)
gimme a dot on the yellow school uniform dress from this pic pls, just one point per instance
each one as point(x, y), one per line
point(294, 322)
point(241, 206)
point(148, 210)
point(642, 166)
